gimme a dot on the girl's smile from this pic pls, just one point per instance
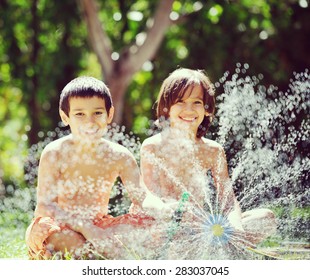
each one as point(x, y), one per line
point(188, 112)
point(187, 119)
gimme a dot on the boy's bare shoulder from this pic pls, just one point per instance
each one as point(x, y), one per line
point(57, 146)
point(54, 150)
point(116, 149)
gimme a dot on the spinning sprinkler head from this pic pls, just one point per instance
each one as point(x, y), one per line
point(218, 229)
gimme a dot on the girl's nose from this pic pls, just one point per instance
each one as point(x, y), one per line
point(188, 107)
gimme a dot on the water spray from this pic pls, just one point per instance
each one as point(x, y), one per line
point(177, 217)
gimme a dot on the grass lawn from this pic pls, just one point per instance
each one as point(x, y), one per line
point(13, 225)
point(12, 244)
point(12, 234)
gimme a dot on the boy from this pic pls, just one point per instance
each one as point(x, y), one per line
point(75, 177)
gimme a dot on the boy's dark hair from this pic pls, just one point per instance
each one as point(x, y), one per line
point(85, 87)
point(174, 88)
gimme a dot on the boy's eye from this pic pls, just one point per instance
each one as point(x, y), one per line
point(98, 113)
point(79, 114)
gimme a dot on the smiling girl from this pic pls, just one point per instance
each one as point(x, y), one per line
point(178, 159)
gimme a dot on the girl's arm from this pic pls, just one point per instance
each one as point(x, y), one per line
point(227, 201)
point(147, 163)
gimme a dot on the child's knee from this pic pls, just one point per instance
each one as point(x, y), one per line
point(269, 215)
point(66, 240)
point(271, 220)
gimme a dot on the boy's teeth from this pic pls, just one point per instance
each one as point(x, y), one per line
point(91, 131)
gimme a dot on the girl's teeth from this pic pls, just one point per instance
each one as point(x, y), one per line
point(188, 119)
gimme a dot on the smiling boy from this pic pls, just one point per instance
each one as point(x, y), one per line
point(76, 175)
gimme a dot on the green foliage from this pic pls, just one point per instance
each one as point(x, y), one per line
point(43, 45)
point(41, 51)
point(13, 138)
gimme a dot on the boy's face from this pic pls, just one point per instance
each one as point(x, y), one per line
point(188, 113)
point(88, 118)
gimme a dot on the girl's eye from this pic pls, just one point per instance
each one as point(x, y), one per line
point(198, 102)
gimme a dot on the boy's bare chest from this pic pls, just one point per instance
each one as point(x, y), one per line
point(88, 165)
point(87, 179)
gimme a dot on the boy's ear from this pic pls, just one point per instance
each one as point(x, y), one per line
point(110, 115)
point(64, 117)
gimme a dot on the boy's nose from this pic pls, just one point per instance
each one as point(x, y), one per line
point(91, 119)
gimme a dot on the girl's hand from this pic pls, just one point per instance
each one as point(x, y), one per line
point(155, 207)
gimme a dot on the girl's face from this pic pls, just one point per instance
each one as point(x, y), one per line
point(188, 113)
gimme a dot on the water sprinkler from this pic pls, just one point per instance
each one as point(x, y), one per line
point(177, 217)
point(218, 229)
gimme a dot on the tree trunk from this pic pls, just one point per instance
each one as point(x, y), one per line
point(118, 84)
point(118, 74)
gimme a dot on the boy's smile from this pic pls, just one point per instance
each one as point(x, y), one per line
point(88, 118)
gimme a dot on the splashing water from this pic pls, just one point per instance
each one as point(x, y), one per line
point(265, 133)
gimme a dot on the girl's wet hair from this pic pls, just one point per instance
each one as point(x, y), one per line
point(84, 87)
point(174, 88)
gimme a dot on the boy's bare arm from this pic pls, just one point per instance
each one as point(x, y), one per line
point(130, 176)
point(47, 186)
point(138, 192)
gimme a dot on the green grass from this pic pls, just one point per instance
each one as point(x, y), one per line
point(12, 243)
point(301, 212)
point(13, 226)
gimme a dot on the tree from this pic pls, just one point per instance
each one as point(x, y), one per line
point(118, 72)
point(42, 49)
point(211, 35)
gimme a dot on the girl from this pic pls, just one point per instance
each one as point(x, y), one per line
point(178, 159)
